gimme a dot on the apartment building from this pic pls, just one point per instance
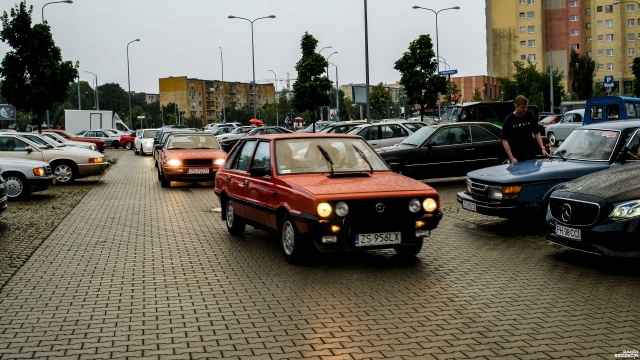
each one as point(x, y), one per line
point(545, 32)
point(205, 99)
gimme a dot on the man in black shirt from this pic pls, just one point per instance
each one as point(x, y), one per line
point(520, 134)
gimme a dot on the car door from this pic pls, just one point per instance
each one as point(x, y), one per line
point(371, 135)
point(14, 147)
point(392, 134)
point(488, 148)
point(259, 188)
point(448, 152)
point(238, 178)
point(565, 127)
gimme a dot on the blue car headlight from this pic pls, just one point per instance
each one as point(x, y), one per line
point(625, 210)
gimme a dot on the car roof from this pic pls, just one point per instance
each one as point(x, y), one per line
point(297, 135)
point(614, 125)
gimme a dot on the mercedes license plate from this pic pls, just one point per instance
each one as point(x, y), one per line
point(198, 171)
point(378, 239)
point(567, 232)
point(468, 205)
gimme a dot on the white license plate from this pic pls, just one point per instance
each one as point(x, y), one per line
point(378, 239)
point(567, 232)
point(468, 205)
point(198, 171)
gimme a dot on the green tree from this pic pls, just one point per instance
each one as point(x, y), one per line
point(581, 71)
point(379, 99)
point(310, 91)
point(418, 67)
point(635, 69)
point(114, 98)
point(477, 96)
point(87, 99)
point(533, 84)
point(33, 74)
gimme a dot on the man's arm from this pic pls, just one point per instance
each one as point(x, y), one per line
point(507, 149)
point(538, 138)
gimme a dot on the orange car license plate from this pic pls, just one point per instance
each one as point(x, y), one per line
point(198, 171)
point(378, 239)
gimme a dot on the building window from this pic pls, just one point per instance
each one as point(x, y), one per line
point(523, 43)
point(574, 32)
point(598, 8)
point(631, 51)
point(529, 2)
point(529, 15)
point(523, 57)
point(589, 54)
point(573, 18)
point(532, 57)
point(609, 52)
point(588, 25)
point(600, 37)
point(574, 46)
point(192, 93)
point(523, 29)
point(609, 38)
point(599, 23)
point(532, 43)
point(631, 22)
point(600, 52)
point(608, 23)
point(588, 39)
point(600, 66)
point(587, 11)
point(609, 66)
point(532, 29)
point(193, 113)
point(631, 37)
point(521, 15)
point(521, 2)
point(631, 7)
point(573, 3)
point(608, 8)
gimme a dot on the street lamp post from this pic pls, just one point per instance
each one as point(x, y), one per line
point(275, 85)
point(97, 95)
point(253, 59)
point(337, 94)
point(129, 82)
point(329, 108)
point(224, 115)
point(54, 2)
point(437, 46)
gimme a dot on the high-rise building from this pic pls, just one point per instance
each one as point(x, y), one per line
point(205, 99)
point(545, 32)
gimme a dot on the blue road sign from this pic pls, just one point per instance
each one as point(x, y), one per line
point(608, 81)
point(448, 72)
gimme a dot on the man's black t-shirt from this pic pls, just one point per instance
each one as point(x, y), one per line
point(519, 130)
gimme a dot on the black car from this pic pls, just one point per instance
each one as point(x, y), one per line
point(446, 150)
point(598, 213)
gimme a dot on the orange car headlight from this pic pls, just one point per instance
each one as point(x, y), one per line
point(174, 162)
point(38, 171)
point(96, 160)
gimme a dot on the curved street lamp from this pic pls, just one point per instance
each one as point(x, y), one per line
point(337, 92)
point(54, 2)
point(97, 97)
point(224, 115)
point(253, 59)
point(129, 82)
point(326, 47)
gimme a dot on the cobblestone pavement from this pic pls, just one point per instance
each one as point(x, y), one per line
point(137, 271)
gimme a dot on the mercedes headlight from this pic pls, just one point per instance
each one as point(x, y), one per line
point(626, 210)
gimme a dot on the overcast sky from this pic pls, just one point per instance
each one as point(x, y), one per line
point(182, 38)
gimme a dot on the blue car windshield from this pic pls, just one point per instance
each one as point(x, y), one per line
point(589, 144)
point(419, 136)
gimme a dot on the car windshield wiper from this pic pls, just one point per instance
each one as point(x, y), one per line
point(560, 154)
point(363, 156)
point(327, 157)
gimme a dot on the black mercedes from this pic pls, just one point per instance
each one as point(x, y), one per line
point(598, 213)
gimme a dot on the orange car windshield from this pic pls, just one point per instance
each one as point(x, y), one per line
point(320, 155)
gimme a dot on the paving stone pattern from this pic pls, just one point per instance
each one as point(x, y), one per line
point(138, 271)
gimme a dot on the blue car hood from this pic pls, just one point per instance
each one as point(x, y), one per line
point(538, 170)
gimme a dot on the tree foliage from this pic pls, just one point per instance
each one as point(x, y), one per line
point(380, 100)
point(418, 67)
point(33, 73)
point(311, 88)
point(477, 96)
point(533, 84)
point(581, 71)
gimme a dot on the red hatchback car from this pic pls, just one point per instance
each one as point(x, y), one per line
point(324, 192)
point(189, 157)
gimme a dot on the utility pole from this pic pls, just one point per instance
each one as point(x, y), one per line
point(550, 77)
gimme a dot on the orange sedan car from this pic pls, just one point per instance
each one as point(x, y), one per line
point(189, 157)
point(324, 192)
